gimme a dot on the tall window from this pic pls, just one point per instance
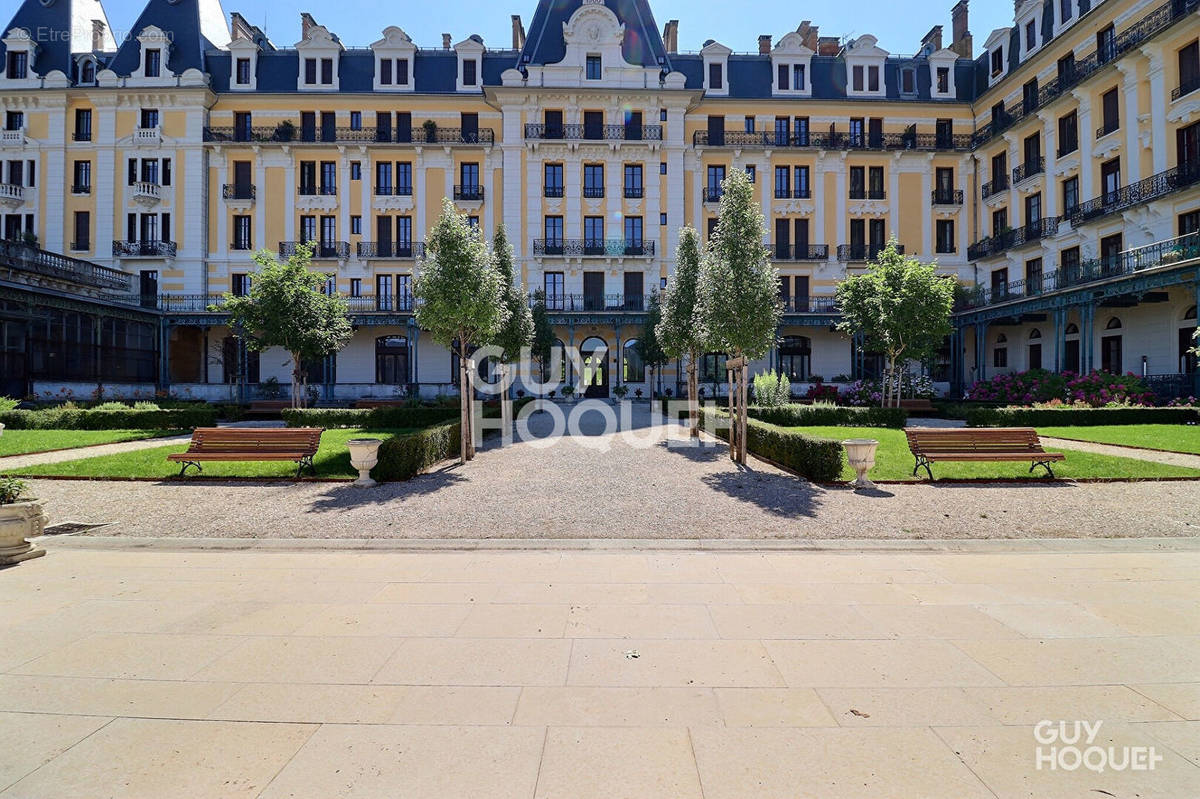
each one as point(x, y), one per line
point(633, 231)
point(391, 360)
point(795, 358)
point(18, 65)
point(83, 227)
point(1068, 134)
point(594, 71)
point(243, 71)
point(83, 124)
point(1110, 102)
point(153, 63)
point(1070, 193)
point(633, 180)
point(468, 70)
point(241, 232)
point(553, 180)
point(82, 177)
point(633, 368)
point(554, 231)
point(554, 287)
point(1189, 69)
point(593, 232)
point(945, 236)
point(593, 180)
point(783, 182)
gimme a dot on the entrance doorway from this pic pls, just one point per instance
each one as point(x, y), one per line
point(594, 354)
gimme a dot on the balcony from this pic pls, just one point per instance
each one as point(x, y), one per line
point(317, 191)
point(325, 250)
point(1164, 253)
point(1014, 237)
point(143, 249)
point(783, 193)
point(468, 193)
point(404, 250)
point(713, 194)
point(241, 244)
point(1110, 127)
point(1143, 191)
point(25, 258)
point(147, 137)
point(799, 252)
point(863, 194)
point(554, 192)
point(650, 133)
point(863, 252)
point(280, 134)
point(946, 197)
point(832, 140)
point(1029, 169)
point(381, 304)
point(634, 192)
point(146, 192)
point(393, 191)
point(11, 195)
point(794, 305)
point(1187, 87)
point(997, 185)
point(593, 192)
point(81, 188)
point(593, 248)
point(239, 191)
point(12, 137)
point(81, 135)
point(585, 303)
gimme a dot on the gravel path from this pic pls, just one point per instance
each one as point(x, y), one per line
point(1155, 456)
point(608, 486)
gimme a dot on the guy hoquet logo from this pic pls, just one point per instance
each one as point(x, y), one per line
point(1072, 745)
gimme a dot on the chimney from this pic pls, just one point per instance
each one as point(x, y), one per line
point(764, 45)
point(961, 41)
point(307, 23)
point(239, 27)
point(828, 45)
point(933, 40)
point(97, 34)
point(809, 35)
point(445, 41)
point(671, 36)
point(518, 31)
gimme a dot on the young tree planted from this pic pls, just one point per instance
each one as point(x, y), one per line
point(900, 307)
point(739, 287)
point(649, 346)
point(517, 331)
point(459, 296)
point(286, 308)
point(680, 330)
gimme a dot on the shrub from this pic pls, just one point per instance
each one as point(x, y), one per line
point(11, 490)
point(64, 418)
point(817, 459)
point(1095, 389)
point(373, 418)
point(771, 389)
point(110, 406)
point(1068, 416)
point(404, 457)
point(862, 393)
point(7, 404)
point(823, 415)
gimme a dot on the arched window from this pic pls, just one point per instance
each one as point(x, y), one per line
point(634, 370)
point(1072, 329)
point(391, 360)
point(1111, 347)
point(1191, 313)
point(594, 354)
point(1113, 324)
point(1035, 334)
point(795, 358)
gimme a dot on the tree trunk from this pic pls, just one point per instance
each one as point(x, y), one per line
point(296, 403)
point(464, 422)
point(693, 391)
point(734, 447)
point(742, 414)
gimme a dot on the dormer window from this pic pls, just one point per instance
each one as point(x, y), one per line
point(319, 53)
point(153, 63)
point(242, 77)
point(470, 57)
point(155, 49)
point(716, 73)
point(594, 67)
point(394, 55)
point(866, 78)
point(326, 71)
point(18, 65)
point(791, 60)
point(310, 72)
point(469, 68)
point(997, 61)
point(864, 67)
point(908, 81)
point(942, 84)
point(87, 72)
point(716, 68)
point(1030, 36)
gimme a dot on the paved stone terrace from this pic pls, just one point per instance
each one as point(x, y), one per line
point(541, 674)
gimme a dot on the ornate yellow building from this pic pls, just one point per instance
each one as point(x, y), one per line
point(1045, 173)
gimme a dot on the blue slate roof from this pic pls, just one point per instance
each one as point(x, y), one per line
point(64, 20)
point(193, 26)
point(643, 43)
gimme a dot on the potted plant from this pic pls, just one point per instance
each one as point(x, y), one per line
point(21, 517)
point(285, 131)
point(621, 391)
point(637, 393)
point(568, 392)
point(430, 128)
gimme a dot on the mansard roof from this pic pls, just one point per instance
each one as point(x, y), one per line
point(194, 26)
point(59, 28)
point(643, 44)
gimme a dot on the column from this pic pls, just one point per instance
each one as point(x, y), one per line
point(343, 190)
point(260, 203)
point(1050, 149)
point(964, 217)
point(981, 351)
point(55, 221)
point(367, 189)
point(289, 199)
point(1014, 196)
point(489, 201)
point(414, 333)
point(840, 191)
point(573, 202)
point(1087, 135)
point(766, 184)
point(107, 210)
point(421, 231)
point(1158, 106)
point(927, 207)
point(1131, 164)
point(817, 186)
point(1060, 318)
point(894, 198)
point(222, 242)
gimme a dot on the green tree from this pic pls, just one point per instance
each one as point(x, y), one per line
point(900, 307)
point(739, 286)
point(517, 331)
point(680, 331)
point(649, 347)
point(287, 309)
point(459, 296)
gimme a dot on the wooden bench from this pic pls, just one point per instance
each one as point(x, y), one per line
point(929, 445)
point(916, 404)
point(268, 407)
point(297, 444)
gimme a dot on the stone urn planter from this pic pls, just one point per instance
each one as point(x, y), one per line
point(860, 454)
point(364, 454)
point(19, 521)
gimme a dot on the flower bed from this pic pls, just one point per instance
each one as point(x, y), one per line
point(1039, 387)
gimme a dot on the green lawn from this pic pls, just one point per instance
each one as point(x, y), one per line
point(332, 460)
point(1169, 437)
point(22, 442)
point(893, 461)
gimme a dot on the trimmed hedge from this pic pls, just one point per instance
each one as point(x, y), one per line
point(1078, 417)
point(373, 418)
point(817, 459)
point(130, 419)
point(830, 416)
point(404, 457)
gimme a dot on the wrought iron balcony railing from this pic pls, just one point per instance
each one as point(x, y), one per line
point(799, 252)
point(241, 244)
point(604, 248)
point(995, 186)
point(391, 249)
point(863, 252)
point(1110, 127)
point(593, 192)
point(594, 132)
point(552, 191)
point(713, 194)
point(143, 249)
point(1014, 237)
point(793, 305)
point(634, 192)
point(946, 197)
point(329, 190)
point(1185, 88)
point(27, 258)
point(865, 194)
point(291, 134)
point(1153, 187)
point(831, 140)
point(1029, 169)
point(320, 249)
point(584, 303)
point(468, 193)
point(239, 191)
point(393, 191)
point(784, 193)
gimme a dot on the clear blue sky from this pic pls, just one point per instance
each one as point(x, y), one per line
point(898, 24)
